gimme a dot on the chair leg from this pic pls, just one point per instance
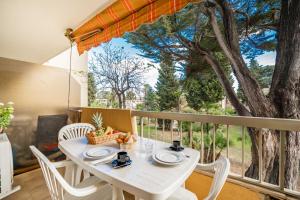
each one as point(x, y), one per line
point(117, 194)
point(78, 175)
point(69, 175)
point(86, 174)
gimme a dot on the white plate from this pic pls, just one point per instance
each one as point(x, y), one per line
point(99, 152)
point(164, 163)
point(169, 157)
point(104, 160)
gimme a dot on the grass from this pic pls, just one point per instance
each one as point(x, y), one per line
point(235, 134)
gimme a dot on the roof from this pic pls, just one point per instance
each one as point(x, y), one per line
point(33, 30)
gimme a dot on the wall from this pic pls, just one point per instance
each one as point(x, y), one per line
point(36, 90)
point(79, 69)
point(118, 119)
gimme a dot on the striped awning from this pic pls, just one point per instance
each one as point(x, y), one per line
point(123, 16)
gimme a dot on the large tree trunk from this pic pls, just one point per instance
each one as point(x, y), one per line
point(285, 88)
point(285, 91)
point(270, 155)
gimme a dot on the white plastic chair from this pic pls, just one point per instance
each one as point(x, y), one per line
point(221, 168)
point(90, 189)
point(73, 131)
point(76, 130)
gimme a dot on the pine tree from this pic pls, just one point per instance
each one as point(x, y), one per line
point(151, 103)
point(167, 86)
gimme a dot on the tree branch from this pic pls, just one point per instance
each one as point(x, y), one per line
point(231, 49)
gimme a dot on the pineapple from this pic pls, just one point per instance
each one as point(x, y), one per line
point(97, 119)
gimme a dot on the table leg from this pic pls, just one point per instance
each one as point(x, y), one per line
point(117, 193)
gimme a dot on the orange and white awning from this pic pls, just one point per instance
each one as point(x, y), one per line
point(123, 16)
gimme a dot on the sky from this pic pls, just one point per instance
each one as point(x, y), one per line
point(151, 76)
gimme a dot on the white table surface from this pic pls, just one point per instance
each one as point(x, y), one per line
point(144, 177)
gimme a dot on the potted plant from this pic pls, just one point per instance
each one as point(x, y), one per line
point(6, 158)
point(6, 115)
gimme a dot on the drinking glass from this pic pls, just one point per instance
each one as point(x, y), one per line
point(149, 147)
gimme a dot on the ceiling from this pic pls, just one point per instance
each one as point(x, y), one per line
point(33, 30)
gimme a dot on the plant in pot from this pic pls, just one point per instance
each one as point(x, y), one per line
point(6, 115)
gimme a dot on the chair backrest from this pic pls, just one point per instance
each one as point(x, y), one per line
point(76, 130)
point(55, 182)
point(221, 167)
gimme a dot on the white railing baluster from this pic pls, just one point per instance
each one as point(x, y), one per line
point(149, 133)
point(202, 144)
point(171, 127)
point(260, 155)
point(142, 127)
point(227, 140)
point(156, 128)
point(243, 151)
point(191, 134)
point(180, 132)
point(214, 142)
point(163, 130)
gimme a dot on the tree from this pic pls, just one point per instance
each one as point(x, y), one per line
point(235, 28)
point(263, 75)
point(115, 69)
point(167, 86)
point(130, 95)
point(92, 89)
point(203, 91)
point(151, 99)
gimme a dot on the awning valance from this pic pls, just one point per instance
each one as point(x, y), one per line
point(123, 16)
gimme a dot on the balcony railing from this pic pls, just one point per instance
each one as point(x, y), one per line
point(156, 123)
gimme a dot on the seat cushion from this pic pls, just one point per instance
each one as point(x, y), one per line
point(182, 194)
point(103, 193)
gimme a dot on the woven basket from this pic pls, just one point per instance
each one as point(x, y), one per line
point(101, 139)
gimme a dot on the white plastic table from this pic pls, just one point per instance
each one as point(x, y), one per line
point(144, 178)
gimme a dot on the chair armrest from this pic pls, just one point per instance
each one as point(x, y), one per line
point(85, 191)
point(64, 163)
point(206, 167)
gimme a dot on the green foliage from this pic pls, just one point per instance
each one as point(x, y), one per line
point(230, 111)
point(92, 89)
point(140, 106)
point(130, 95)
point(151, 99)
point(263, 75)
point(6, 114)
point(167, 85)
point(97, 104)
point(203, 91)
